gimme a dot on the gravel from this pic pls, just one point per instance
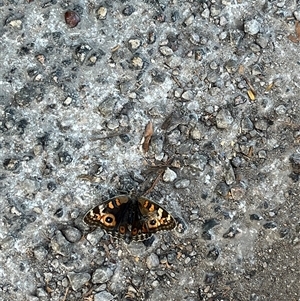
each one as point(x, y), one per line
point(219, 82)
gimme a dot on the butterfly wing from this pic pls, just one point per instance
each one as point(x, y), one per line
point(155, 217)
point(108, 215)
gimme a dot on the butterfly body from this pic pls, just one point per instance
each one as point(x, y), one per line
point(130, 217)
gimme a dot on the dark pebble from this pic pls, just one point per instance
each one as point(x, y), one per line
point(231, 233)
point(128, 10)
point(209, 224)
point(51, 186)
point(254, 217)
point(72, 18)
point(213, 253)
point(270, 225)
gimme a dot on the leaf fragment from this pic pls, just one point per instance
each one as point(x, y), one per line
point(147, 136)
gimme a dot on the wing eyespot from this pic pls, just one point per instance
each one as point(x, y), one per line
point(122, 229)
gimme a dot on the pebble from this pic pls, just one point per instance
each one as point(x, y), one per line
point(252, 27)
point(262, 154)
point(81, 52)
point(270, 225)
point(297, 15)
point(152, 261)
point(11, 164)
point(78, 280)
point(261, 125)
point(195, 134)
point(246, 125)
point(189, 20)
point(40, 253)
point(94, 237)
point(198, 161)
point(102, 13)
point(237, 192)
point(72, 234)
point(224, 119)
point(102, 275)
point(67, 101)
point(262, 40)
point(165, 50)
point(134, 44)
point(103, 296)
point(16, 24)
point(59, 244)
point(205, 13)
point(72, 18)
point(222, 189)
point(280, 110)
point(169, 175)
point(128, 10)
point(187, 95)
point(137, 62)
point(181, 184)
point(229, 175)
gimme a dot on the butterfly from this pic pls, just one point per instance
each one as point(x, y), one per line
point(130, 217)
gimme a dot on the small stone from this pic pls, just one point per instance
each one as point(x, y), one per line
point(72, 18)
point(65, 158)
point(261, 125)
point(11, 164)
point(166, 51)
point(187, 95)
point(94, 237)
point(81, 52)
point(224, 119)
point(195, 134)
point(113, 124)
point(40, 253)
point(134, 44)
point(103, 296)
point(137, 62)
point(169, 175)
point(72, 234)
point(252, 27)
point(229, 175)
point(16, 24)
point(78, 280)
point(102, 275)
point(297, 15)
point(189, 20)
point(102, 13)
point(205, 13)
point(152, 261)
point(187, 260)
point(222, 189)
point(215, 10)
point(181, 184)
point(262, 154)
point(128, 10)
point(262, 40)
point(155, 283)
point(67, 101)
point(198, 161)
point(41, 58)
point(178, 92)
point(255, 217)
point(270, 225)
point(237, 192)
point(280, 110)
point(246, 125)
point(59, 244)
